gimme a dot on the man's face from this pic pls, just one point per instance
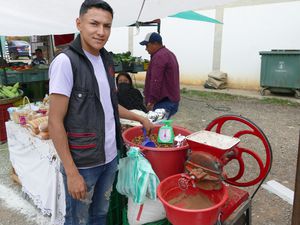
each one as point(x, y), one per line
point(94, 27)
point(150, 48)
point(39, 54)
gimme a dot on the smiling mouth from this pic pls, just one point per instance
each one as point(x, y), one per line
point(98, 40)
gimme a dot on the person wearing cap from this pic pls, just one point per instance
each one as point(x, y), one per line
point(162, 88)
point(84, 115)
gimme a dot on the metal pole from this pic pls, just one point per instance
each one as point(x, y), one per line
point(218, 40)
point(296, 205)
point(4, 70)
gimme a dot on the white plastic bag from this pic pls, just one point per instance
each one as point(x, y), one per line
point(136, 178)
point(150, 211)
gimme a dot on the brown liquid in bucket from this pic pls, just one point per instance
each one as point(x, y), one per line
point(197, 201)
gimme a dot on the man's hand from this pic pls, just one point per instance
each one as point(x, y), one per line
point(147, 125)
point(150, 106)
point(126, 114)
point(76, 186)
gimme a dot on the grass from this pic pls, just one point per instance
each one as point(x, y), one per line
point(228, 97)
point(210, 95)
point(277, 101)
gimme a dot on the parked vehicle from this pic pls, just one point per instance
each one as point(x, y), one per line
point(19, 48)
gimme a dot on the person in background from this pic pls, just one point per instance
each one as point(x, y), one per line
point(162, 88)
point(84, 121)
point(39, 58)
point(128, 96)
point(3, 63)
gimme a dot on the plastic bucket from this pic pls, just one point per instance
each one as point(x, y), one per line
point(169, 189)
point(164, 161)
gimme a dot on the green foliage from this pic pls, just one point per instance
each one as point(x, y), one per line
point(127, 58)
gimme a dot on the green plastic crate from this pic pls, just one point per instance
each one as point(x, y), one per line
point(116, 207)
point(118, 68)
point(35, 91)
point(33, 76)
point(12, 77)
point(138, 68)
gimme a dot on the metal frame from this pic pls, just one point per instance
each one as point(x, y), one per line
point(241, 216)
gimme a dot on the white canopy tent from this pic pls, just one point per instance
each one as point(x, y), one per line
point(45, 17)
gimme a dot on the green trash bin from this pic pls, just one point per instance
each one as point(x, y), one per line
point(280, 71)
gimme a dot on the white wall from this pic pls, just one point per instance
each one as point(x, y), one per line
point(246, 31)
point(191, 41)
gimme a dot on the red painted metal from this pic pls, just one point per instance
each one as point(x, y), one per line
point(237, 152)
point(236, 197)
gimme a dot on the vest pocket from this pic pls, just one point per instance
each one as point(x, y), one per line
point(82, 140)
point(83, 147)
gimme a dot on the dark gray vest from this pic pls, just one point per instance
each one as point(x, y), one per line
point(84, 121)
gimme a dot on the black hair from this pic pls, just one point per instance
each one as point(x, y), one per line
point(125, 74)
point(99, 4)
point(38, 50)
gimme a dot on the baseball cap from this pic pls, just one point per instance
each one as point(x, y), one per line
point(151, 37)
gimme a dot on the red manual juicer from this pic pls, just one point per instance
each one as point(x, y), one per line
point(201, 195)
point(212, 151)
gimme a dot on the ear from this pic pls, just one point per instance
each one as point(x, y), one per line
point(78, 24)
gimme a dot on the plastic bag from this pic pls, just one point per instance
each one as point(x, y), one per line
point(150, 211)
point(136, 178)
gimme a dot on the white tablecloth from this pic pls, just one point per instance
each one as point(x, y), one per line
point(37, 166)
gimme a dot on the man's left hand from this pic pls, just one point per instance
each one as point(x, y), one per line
point(150, 106)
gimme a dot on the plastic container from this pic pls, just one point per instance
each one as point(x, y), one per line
point(35, 90)
point(169, 189)
point(164, 161)
point(4, 116)
point(159, 222)
point(33, 76)
point(280, 71)
point(12, 77)
point(116, 207)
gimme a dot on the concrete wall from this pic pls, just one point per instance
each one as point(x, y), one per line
point(246, 31)
point(250, 29)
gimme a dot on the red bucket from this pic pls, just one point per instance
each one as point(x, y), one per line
point(169, 189)
point(164, 161)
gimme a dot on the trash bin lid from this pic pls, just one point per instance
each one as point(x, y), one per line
point(281, 52)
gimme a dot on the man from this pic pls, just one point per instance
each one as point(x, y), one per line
point(162, 79)
point(84, 116)
point(39, 58)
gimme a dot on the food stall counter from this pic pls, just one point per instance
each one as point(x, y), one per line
point(37, 165)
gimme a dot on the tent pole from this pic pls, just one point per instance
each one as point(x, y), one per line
point(130, 39)
point(4, 70)
point(51, 47)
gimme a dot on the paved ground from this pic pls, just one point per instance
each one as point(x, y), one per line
point(279, 122)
